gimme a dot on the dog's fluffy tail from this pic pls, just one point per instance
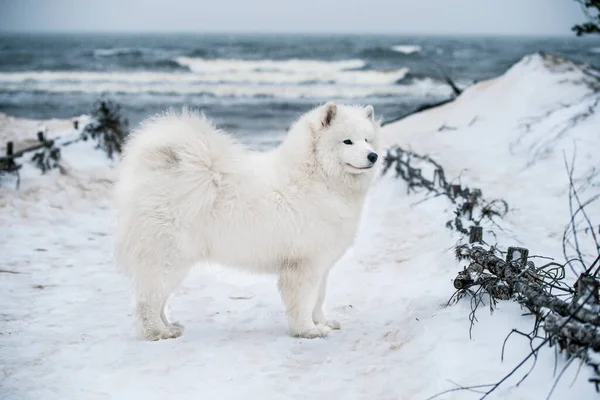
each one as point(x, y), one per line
point(172, 165)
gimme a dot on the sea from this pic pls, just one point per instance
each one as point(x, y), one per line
point(253, 86)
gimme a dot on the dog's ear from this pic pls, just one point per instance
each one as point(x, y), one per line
point(329, 112)
point(370, 112)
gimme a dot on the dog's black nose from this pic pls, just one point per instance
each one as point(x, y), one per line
point(372, 157)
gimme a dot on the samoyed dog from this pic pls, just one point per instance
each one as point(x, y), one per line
point(188, 193)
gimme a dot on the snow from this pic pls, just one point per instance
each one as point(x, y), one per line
point(510, 138)
point(12, 128)
point(67, 329)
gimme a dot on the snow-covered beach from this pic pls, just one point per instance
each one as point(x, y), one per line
point(66, 323)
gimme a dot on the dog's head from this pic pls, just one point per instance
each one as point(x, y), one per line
point(346, 139)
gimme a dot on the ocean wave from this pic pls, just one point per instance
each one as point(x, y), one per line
point(353, 77)
point(117, 52)
point(180, 85)
point(165, 65)
point(380, 53)
point(204, 65)
point(406, 48)
point(414, 77)
point(197, 53)
point(595, 50)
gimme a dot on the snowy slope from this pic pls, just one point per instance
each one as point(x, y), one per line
point(66, 325)
point(509, 136)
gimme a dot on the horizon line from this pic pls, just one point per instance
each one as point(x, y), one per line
point(315, 33)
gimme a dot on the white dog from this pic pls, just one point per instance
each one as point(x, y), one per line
point(189, 193)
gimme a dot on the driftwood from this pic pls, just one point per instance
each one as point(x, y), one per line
point(570, 318)
point(575, 336)
point(572, 324)
point(525, 285)
point(569, 315)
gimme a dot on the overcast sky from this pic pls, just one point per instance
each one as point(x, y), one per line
point(511, 17)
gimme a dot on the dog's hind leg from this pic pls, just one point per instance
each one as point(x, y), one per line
point(165, 320)
point(299, 288)
point(318, 315)
point(152, 293)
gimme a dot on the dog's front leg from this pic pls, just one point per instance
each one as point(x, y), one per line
point(318, 315)
point(299, 285)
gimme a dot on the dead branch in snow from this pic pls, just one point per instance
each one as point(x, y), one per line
point(446, 78)
point(568, 315)
point(445, 127)
point(518, 279)
point(426, 106)
point(572, 324)
point(471, 209)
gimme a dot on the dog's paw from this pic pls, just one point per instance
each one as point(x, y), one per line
point(171, 332)
point(175, 328)
point(320, 319)
point(333, 324)
point(319, 331)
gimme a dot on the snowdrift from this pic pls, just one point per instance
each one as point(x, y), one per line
point(510, 136)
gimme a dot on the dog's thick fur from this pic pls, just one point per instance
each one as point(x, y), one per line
point(188, 193)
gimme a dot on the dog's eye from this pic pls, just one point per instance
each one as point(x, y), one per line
point(347, 141)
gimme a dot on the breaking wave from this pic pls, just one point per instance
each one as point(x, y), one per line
point(232, 83)
point(406, 48)
point(204, 65)
point(292, 78)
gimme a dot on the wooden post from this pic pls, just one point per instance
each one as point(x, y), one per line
point(9, 148)
point(40, 136)
point(587, 288)
point(76, 124)
point(518, 254)
point(455, 191)
point(476, 234)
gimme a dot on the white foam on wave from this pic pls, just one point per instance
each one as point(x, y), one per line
point(215, 77)
point(189, 84)
point(204, 65)
point(595, 50)
point(406, 48)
